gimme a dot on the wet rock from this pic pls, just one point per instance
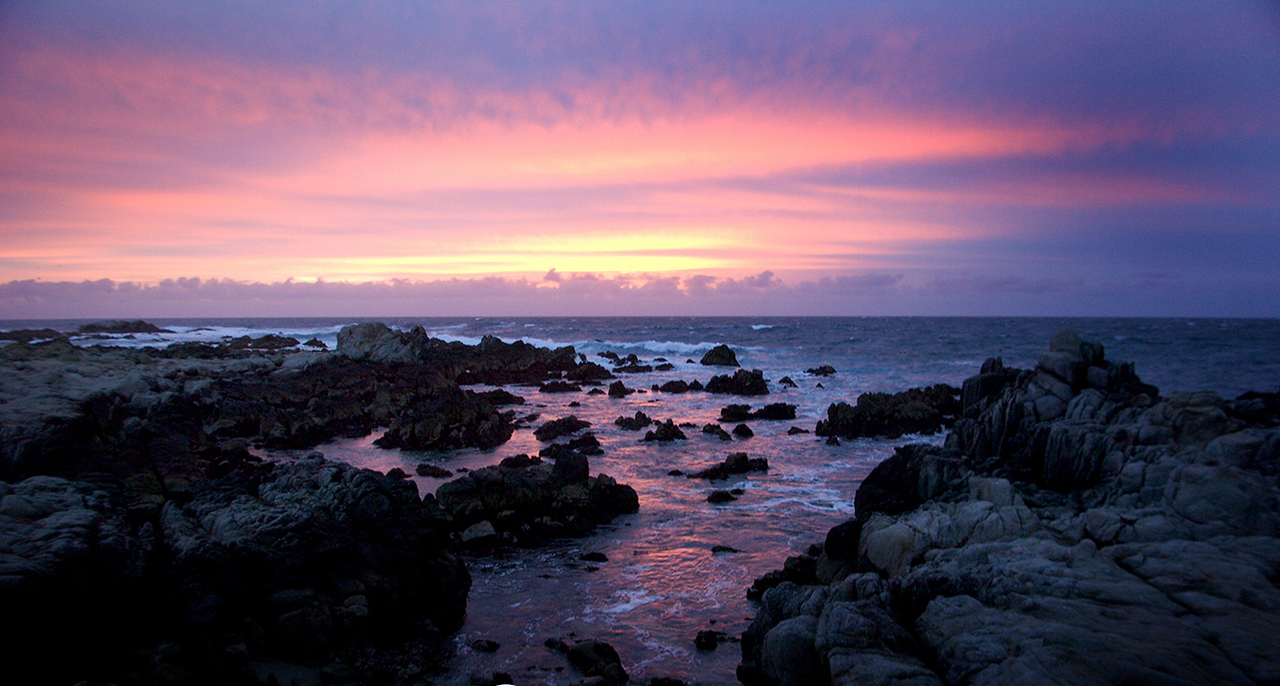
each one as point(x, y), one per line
point(787, 382)
point(743, 431)
point(674, 387)
point(919, 411)
point(717, 431)
point(734, 464)
point(719, 496)
point(619, 390)
point(586, 444)
point(535, 502)
point(121, 327)
point(664, 432)
point(559, 387)
point(796, 430)
point(593, 557)
point(433, 471)
point(720, 356)
point(639, 421)
point(823, 370)
point(735, 413)
point(556, 428)
point(1064, 492)
point(742, 382)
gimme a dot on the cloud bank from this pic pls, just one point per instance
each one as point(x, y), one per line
point(588, 294)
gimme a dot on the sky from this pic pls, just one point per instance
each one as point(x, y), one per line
point(311, 158)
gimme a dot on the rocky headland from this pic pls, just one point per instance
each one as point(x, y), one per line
point(1075, 528)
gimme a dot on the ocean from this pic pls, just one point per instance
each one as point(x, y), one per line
point(661, 583)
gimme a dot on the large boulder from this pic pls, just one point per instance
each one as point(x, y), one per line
point(720, 356)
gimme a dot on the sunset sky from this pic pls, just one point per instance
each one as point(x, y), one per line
point(454, 158)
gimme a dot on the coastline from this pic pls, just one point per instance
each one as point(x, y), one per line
point(1076, 527)
point(142, 406)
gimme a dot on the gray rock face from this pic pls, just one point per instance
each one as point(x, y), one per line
point(1075, 529)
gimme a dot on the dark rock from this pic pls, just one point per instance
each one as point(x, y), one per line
point(499, 397)
point(448, 419)
point(484, 645)
point(665, 367)
point(832, 440)
point(720, 356)
point(593, 557)
point(619, 390)
point(718, 431)
point(559, 387)
point(338, 673)
point(743, 431)
point(589, 371)
point(587, 444)
point(118, 327)
point(639, 421)
point(267, 342)
point(719, 496)
point(787, 382)
point(735, 413)
point(796, 430)
point(919, 410)
point(397, 473)
point(695, 385)
point(315, 343)
point(520, 462)
point(560, 427)
point(707, 640)
point(597, 658)
point(775, 412)
point(535, 502)
point(824, 370)
point(665, 432)
point(432, 471)
point(734, 464)
point(595, 391)
point(716, 549)
point(675, 472)
point(674, 387)
point(634, 368)
point(29, 335)
point(742, 382)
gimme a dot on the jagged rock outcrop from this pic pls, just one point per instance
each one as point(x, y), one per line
point(914, 411)
point(293, 561)
point(526, 502)
point(742, 382)
point(720, 356)
point(1075, 528)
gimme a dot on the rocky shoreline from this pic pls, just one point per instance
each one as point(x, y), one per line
point(1075, 528)
point(142, 542)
